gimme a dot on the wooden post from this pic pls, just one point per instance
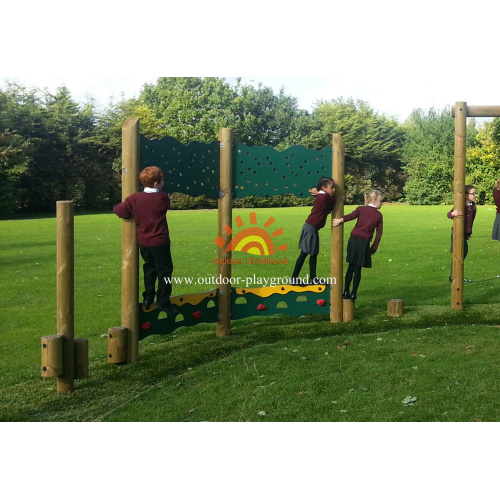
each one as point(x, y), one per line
point(225, 219)
point(66, 292)
point(395, 308)
point(130, 250)
point(81, 358)
point(457, 285)
point(117, 345)
point(337, 233)
point(348, 310)
point(52, 356)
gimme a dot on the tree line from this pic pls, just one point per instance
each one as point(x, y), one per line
point(53, 148)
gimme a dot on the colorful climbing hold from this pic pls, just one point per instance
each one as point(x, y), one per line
point(146, 325)
point(321, 302)
point(261, 307)
point(196, 315)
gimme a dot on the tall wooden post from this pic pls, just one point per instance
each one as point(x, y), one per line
point(130, 250)
point(66, 292)
point(457, 285)
point(225, 219)
point(337, 234)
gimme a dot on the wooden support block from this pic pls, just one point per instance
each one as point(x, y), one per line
point(347, 310)
point(52, 356)
point(395, 308)
point(81, 358)
point(117, 345)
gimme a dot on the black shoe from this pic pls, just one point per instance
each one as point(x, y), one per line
point(146, 304)
point(352, 296)
point(346, 294)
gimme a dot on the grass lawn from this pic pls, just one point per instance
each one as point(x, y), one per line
point(433, 364)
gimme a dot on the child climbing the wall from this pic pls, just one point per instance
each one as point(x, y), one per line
point(359, 253)
point(470, 215)
point(309, 237)
point(148, 209)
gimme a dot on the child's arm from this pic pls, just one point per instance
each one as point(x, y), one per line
point(313, 191)
point(380, 227)
point(454, 213)
point(123, 210)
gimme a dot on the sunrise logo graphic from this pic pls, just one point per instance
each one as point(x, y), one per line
point(254, 240)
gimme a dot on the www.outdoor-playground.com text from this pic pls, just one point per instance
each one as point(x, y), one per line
point(246, 282)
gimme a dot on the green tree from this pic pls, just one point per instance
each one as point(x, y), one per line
point(372, 145)
point(483, 163)
point(189, 108)
point(428, 156)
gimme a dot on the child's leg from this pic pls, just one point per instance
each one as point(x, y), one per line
point(150, 275)
point(313, 259)
point(356, 281)
point(164, 268)
point(298, 265)
point(348, 278)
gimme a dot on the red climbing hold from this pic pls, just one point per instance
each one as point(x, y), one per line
point(196, 315)
point(321, 302)
point(261, 307)
point(146, 325)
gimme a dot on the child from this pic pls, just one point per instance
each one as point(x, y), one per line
point(495, 235)
point(359, 253)
point(309, 237)
point(148, 208)
point(470, 215)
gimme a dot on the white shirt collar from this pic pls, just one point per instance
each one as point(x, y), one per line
point(151, 190)
point(371, 205)
point(321, 192)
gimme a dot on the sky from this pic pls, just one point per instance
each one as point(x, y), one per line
point(429, 54)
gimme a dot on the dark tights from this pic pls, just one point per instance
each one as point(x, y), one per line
point(300, 262)
point(352, 271)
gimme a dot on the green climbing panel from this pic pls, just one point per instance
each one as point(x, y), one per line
point(191, 169)
point(194, 308)
point(263, 171)
point(289, 300)
point(257, 170)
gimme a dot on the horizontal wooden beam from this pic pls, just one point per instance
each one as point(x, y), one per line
point(480, 111)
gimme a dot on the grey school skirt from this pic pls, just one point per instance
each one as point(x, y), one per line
point(495, 235)
point(309, 239)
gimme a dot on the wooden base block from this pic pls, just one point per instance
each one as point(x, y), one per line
point(52, 356)
point(117, 345)
point(395, 308)
point(348, 310)
point(81, 358)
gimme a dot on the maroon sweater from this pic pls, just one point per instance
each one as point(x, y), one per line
point(470, 215)
point(496, 197)
point(323, 205)
point(369, 219)
point(149, 212)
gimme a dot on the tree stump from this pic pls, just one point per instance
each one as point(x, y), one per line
point(347, 310)
point(395, 308)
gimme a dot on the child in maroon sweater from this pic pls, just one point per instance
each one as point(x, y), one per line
point(359, 253)
point(309, 237)
point(148, 209)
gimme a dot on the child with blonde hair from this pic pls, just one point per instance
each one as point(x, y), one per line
point(359, 252)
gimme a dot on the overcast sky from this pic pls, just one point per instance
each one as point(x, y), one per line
point(396, 56)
